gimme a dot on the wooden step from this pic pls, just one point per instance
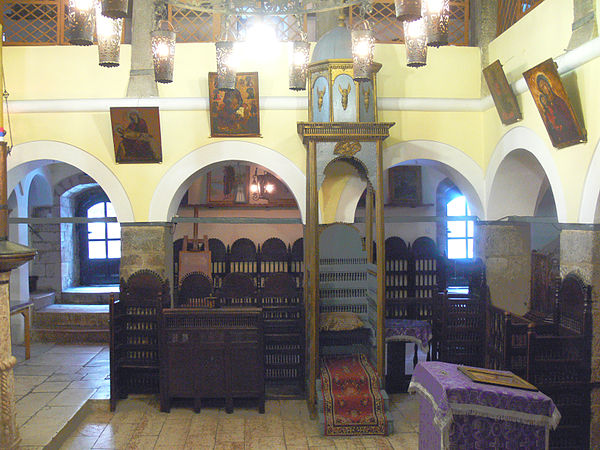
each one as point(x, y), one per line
point(71, 324)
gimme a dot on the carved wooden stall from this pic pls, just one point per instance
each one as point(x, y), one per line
point(297, 261)
point(219, 264)
point(134, 335)
point(273, 257)
point(211, 353)
point(552, 354)
point(283, 315)
point(243, 259)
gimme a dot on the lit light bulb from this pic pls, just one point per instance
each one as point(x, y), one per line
point(434, 6)
point(362, 48)
point(269, 188)
point(415, 28)
point(232, 59)
point(253, 188)
point(82, 5)
point(162, 49)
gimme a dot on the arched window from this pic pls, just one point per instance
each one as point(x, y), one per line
point(459, 231)
point(99, 242)
point(454, 236)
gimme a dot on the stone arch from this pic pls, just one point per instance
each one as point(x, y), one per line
point(464, 172)
point(589, 210)
point(177, 180)
point(521, 152)
point(36, 154)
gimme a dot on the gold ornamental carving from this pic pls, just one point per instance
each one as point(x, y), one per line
point(347, 148)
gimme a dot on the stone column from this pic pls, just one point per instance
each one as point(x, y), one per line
point(584, 26)
point(9, 434)
point(483, 25)
point(505, 248)
point(141, 76)
point(580, 252)
point(147, 246)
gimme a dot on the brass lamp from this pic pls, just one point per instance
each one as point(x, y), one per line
point(163, 51)
point(408, 10)
point(108, 33)
point(115, 9)
point(80, 22)
point(436, 15)
point(363, 43)
point(415, 39)
point(299, 65)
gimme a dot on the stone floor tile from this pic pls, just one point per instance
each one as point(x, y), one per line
point(51, 386)
point(378, 442)
point(229, 445)
point(265, 443)
point(32, 403)
point(404, 441)
point(320, 441)
point(349, 443)
point(71, 397)
point(65, 377)
point(79, 443)
point(115, 435)
point(21, 369)
point(174, 433)
point(24, 384)
point(199, 442)
point(149, 425)
point(141, 442)
point(89, 384)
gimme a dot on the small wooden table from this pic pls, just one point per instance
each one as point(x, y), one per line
point(25, 310)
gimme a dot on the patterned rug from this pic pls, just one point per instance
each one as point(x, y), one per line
point(352, 402)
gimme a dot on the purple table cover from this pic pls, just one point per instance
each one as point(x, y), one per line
point(458, 413)
point(418, 331)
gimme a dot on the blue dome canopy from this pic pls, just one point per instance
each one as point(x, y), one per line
point(335, 44)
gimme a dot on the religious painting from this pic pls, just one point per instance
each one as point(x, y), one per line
point(552, 101)
point(489, 376)
point(405, 185)
point(136, 135)
point(234, 113)
point(503, 95)
point(228, 185)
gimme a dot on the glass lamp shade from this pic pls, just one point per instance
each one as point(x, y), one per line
point(115, 9)
point(298, 65)
point(226, 70)
point(436, 14)
point(163, 52)
point(80, 22)
point(363, 43)
point(108, 33)
point(408, 10)
point(415, 39)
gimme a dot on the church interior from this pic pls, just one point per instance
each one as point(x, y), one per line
point(206, 235)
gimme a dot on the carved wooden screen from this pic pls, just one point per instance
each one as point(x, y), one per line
point(510, 11)
point(194, 26)
point(389, 30)
point(33, 22)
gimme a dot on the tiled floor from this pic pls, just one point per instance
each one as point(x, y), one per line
point(59, 379)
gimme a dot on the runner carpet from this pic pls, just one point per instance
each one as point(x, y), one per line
point(352, 402)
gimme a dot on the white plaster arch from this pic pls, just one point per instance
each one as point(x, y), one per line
point(177, 180)
point(522, 138)
point(591, 190)
point(464, 172)
point(31, 155)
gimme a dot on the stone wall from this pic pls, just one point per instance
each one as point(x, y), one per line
point(45, 238)
point(506, 250)
point(146, 247)
point(580, 253)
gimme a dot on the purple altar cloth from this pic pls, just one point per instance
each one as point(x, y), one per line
point(457, 413)
point(418, 331)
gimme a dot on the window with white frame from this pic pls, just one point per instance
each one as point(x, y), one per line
point(459, 231)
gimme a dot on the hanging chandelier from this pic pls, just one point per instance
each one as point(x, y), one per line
point(80, 22)
point(299, 64)
point(408, 10)
point(226, 56)
point(436, 15)
point(108, 33)
point(115, 9)
point(262, 186)
point(415, 39)
point(163, 51)
point(263, 8)
point(363, 43)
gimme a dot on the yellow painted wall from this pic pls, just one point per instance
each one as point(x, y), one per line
point(452, 72)
point(519, 49)
point(68, 72)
